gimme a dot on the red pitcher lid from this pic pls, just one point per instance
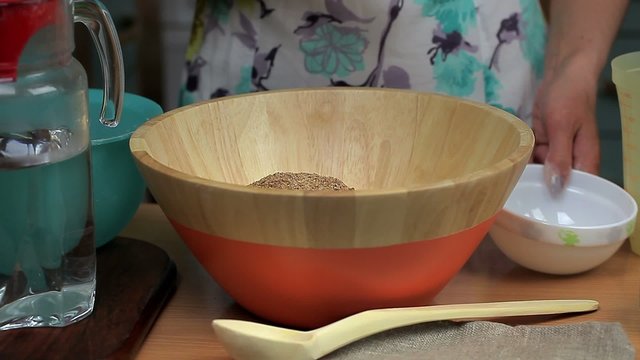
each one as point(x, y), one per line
point(20, 19)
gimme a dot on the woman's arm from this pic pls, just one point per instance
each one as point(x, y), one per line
point(580, 35)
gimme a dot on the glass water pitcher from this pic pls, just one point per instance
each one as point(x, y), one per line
point(47, 250)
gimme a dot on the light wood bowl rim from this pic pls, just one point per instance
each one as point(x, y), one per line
point(140, 151)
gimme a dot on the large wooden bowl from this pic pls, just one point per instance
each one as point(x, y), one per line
point(430, 173)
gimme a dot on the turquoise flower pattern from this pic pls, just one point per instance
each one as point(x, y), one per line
point(220, 10)
point(334, 51)
point(465, 48)
point(492, 88)
point(456, 74)
point(533, 25)
point(244, 86)
point(186, 97)
point(455, 69)
point(453, 15)
point(337, 50)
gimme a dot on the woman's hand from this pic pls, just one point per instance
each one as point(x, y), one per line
point(580, 36)
point(564, 123)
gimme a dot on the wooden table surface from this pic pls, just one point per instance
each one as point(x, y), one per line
point(183, 330)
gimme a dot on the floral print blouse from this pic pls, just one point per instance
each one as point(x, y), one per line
point(486, 50)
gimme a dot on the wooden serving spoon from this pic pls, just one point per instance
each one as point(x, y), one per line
point(245, 340)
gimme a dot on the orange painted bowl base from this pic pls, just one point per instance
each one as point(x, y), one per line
point(307, 288)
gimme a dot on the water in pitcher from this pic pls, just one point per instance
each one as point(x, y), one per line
point(47, 266)
point(47, 246)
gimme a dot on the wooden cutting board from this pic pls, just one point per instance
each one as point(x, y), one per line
point(135, 279)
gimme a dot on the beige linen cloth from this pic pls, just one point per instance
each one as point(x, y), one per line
point(480, 340)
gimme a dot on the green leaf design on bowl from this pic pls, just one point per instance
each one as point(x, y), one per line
point(569, 237)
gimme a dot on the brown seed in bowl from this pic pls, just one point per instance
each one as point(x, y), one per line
point(301, 181)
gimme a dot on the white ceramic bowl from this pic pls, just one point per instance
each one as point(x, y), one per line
point(572, 232)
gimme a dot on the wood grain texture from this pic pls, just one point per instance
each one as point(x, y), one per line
point(423, 165)
point(183, 330)
point(135, 280)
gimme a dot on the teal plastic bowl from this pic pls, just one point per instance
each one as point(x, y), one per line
point(118, 187)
